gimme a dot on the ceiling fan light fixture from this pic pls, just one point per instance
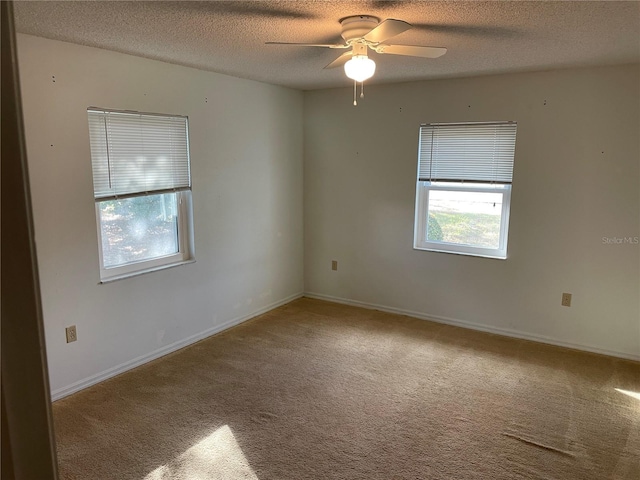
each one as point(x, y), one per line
point(360, 68)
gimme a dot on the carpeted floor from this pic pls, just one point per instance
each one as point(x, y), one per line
point(316, 390)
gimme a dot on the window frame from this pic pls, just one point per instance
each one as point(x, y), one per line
point(464, 157)
point(184, 210)
point(182, 257)
point(420, 242)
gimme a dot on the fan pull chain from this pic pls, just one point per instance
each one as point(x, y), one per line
point(362, 90)
point(355, 102)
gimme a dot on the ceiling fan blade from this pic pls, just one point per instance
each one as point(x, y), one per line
point(326, 45)
point(387, 29)
point(412, 50)
point(341, 60)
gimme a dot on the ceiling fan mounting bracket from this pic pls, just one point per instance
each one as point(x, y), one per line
point(357, 26)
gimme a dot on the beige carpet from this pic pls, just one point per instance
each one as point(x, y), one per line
point(316, 390)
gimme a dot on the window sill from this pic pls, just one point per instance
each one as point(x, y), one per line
point(468, 254)
point(144, 271)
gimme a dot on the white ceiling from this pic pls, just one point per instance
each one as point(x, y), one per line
point(228, 36)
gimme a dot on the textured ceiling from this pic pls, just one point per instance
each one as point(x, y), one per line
point(228, 36)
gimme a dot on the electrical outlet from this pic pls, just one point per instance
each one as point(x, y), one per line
point(72, 335)
point(334, 265)
point(566, 299)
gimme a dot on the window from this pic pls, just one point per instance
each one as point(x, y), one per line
point(463, 190)
point(142, 190)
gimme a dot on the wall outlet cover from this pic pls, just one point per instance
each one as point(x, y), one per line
point(72, 335)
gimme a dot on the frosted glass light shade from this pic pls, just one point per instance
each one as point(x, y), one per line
point(360, 68)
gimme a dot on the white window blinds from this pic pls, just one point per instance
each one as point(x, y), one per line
point(138, 153)
point(467, 152)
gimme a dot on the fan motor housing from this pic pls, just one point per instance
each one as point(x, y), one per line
point(357, 26)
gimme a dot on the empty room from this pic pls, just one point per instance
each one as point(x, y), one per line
point(321, 240)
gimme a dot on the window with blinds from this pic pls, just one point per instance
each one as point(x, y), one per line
point(463, 191)
point(142, 189)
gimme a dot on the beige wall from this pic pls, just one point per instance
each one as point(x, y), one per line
point(576, 180)
point(246, 153)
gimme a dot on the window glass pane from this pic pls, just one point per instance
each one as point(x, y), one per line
point(464, 218)
point(139, 228)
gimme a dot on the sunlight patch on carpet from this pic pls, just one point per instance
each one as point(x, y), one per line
point(635, 395)
point(217, 456)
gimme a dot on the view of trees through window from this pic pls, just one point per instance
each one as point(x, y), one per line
point(138, 228)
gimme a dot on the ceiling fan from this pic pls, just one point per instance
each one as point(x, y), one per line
point(364, 32)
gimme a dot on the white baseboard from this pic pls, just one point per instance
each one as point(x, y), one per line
point(123, 367)
point(476, 326)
